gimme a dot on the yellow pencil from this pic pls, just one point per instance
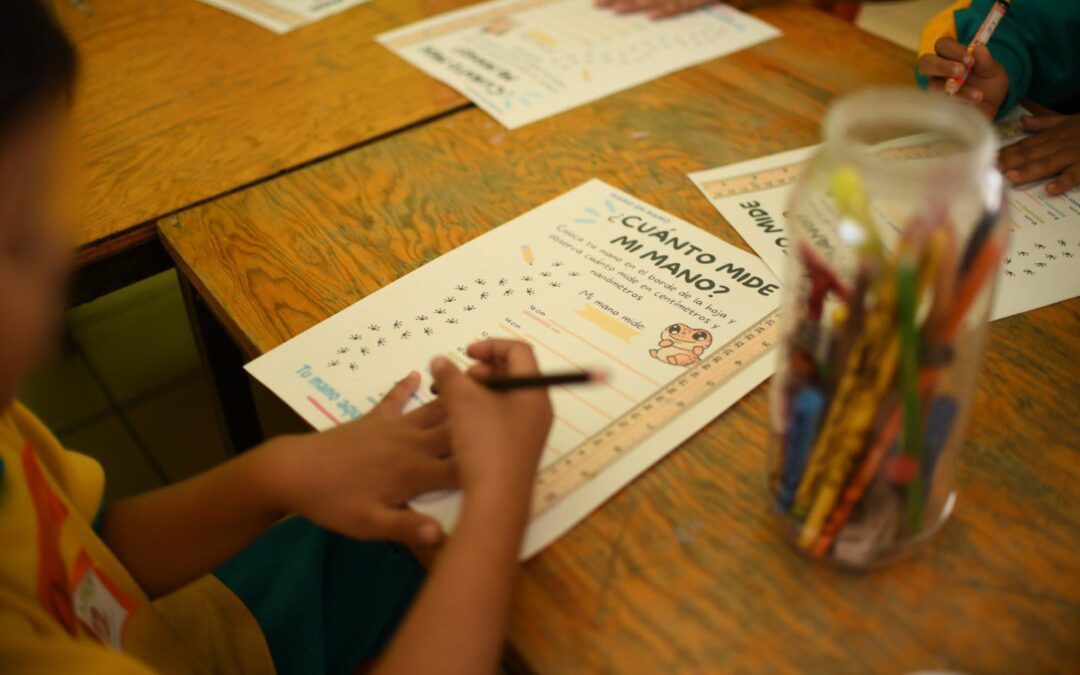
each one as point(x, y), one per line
point(850, 442)
point(860, 374)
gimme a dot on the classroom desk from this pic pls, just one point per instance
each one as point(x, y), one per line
point(179, 102)
point(684, 571)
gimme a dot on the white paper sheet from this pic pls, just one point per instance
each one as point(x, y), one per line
point(1041, 267)
point(524, 60)
point(282, 16)
point(579, 279)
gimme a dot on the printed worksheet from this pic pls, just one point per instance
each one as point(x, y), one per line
point(282, 16)
point(1041, 267)
point(524, 60)
point(594, 279)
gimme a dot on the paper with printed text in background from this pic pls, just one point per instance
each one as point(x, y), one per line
point(524, 60)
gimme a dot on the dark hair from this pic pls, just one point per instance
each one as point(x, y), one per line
point(37, 60)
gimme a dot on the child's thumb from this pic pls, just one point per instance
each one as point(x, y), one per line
point(448, 378)
point(409, 527)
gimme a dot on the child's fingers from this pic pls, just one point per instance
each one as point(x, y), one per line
point(931, 65)
point(398, 396)
point(952, 50)
point(456, 389)
point(512, 356)
point(970, 94)
point(407, 526)
point(435, 442)
point(480, 371)
point(985, 65)
point(604, 3)
point(1018, 154)
point(1068, 179)
point(425, 474)
point(1041, 122)
point(627, 6)
point(428, 415)
point(1036, 169)
point(673, 7)
point(497, 353)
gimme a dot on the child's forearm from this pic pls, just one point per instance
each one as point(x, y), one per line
point(169, 537)
point(457, 623)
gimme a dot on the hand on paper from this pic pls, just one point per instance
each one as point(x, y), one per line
point(461, 612)
point(986, 86)
point(497, 438)
point(356, 479)
point(656, 9)
point(1053, 149)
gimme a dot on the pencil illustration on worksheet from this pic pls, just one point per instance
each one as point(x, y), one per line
point(595, 280)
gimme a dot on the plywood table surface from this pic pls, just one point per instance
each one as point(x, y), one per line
point(180, 102)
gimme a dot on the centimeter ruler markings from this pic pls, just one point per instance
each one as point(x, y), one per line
point(682, 393)
point(787, 174)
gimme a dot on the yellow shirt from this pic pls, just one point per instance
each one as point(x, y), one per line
point(68, 605)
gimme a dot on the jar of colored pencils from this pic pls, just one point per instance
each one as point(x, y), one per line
point(891, 273)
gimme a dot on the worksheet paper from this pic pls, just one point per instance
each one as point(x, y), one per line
point(524, 60)
point(282, 16)
point(593, 279)
point(1041, 267)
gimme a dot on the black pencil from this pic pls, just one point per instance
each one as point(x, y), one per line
point(511, 383)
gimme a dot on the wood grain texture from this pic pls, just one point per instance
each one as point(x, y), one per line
point(684, 570)
point(179, 102)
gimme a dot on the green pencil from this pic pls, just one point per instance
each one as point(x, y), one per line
point(907, 280)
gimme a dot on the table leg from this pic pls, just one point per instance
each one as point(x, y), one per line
point(223, 363)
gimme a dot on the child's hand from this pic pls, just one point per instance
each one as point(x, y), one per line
point(497, 438)
point(656, 9)
point(986, 86)
point(356, 479)
point(1054, 149)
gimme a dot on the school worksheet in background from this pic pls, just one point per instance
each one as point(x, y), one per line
point(592, 279)
point(282, 16)
point(1041, 267)
point(524, 60)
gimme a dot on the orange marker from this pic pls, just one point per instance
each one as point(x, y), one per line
point(982, 36)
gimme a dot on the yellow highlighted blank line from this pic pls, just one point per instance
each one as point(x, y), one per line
point(608, 323)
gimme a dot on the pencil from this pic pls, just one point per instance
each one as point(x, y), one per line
point(531, 381)
point(512, 383)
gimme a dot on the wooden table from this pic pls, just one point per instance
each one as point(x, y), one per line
point(180, 102)
point(683, 571)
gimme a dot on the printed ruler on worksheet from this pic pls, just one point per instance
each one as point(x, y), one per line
point(1041, 267)
point(666, 406)
point(787, 174)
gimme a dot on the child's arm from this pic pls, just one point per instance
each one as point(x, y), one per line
point(354, 479)
point(656, 9)
point(456, 624)
point(659, 9)
point(1053, 150)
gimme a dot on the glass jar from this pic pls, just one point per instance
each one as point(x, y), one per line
point(891, 273)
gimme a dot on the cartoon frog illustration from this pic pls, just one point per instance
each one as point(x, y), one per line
point(681, 345)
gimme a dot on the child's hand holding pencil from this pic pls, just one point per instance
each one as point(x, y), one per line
point(985, 87)
point(496, 436)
